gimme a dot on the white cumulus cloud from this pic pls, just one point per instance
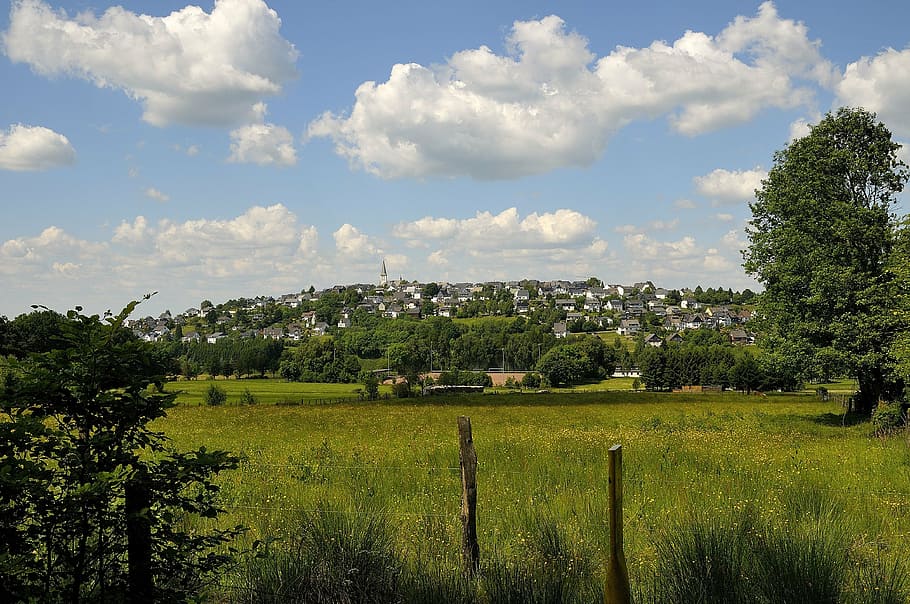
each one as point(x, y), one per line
point(263, 144)
point(549, 102)
point(350, 242)
point(189, 67)
point(880, 84)
point(504, 230)
point(24, 148)
point(728, 187)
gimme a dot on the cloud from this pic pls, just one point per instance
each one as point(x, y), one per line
point(490, 246)
point(263, 144)
point(880, 84)
point(134, 232)
point(504, 230)
point(799, 129)
point(351, 243)
point(684, 204)
point(36, 257)
point(728, 187)
point(25, 148)
point(684, 262)
point(734, 240)
point(646, 248)
point(663, 225)
point(724, 217)
point(197, 68)
point(903, 153)
point(549, 102)
point(153, 193)
point(264, 250)
point(191, 150)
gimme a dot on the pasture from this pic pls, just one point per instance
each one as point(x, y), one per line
point(782, 461)
point(266, 391)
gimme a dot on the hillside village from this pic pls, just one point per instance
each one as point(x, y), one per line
point(574, 306)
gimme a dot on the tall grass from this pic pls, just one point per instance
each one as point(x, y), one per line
point(335, 557)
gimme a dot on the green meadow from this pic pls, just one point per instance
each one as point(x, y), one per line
point(785, 462)
point(266, 391)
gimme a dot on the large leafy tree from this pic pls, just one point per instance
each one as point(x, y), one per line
point(95, 506)
point(821, 239)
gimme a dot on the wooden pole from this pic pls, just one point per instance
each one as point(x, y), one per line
point(617, 591)
point(470, 550)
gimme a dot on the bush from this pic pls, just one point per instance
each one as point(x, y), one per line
point(215, 396)
point(247, 398)
point(401, 389)
point(531, 380)
point(887, 418)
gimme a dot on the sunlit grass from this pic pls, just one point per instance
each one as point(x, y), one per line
point(267, 391)
point(780, 456)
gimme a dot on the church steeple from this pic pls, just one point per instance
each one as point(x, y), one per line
point(383, 275)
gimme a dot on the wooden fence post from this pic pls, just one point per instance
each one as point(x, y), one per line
point(470, 550)
point(139, 541)
point(617, 591)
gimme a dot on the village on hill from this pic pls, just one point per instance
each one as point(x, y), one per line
point(576, 306)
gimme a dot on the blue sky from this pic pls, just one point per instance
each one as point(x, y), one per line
point(240, 148)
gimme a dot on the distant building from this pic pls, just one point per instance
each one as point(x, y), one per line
point(383, 275)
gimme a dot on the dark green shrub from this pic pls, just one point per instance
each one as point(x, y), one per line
point(247, 398)
point(887, 418)
point(215, 396)
point(531, 380)
point(401, 389)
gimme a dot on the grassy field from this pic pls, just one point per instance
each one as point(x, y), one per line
point(786, 460)
point(266, 391)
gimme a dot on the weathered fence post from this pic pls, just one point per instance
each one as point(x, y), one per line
point(470, 550)
point(617, 591)
point(139, 541)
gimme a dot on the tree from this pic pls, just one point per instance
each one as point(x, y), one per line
point(900, 264)
point(370, 385)
point(563, 366)
point(821, 236)
point(215, 396)
point(91, 498)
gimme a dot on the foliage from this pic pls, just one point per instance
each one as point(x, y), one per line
point(370, 385)
point(229, 356)
point(888, 417)
point(821, 237)
point(693, 363)
point(567, 364)
point(402, 389)
point(247, 397)
point(531, 380)
point(75, 448)
point(319, 360)
point(37, 331)
point(464, 378)
point(215, 396)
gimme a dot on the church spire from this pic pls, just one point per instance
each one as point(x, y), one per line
point(383, 275)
